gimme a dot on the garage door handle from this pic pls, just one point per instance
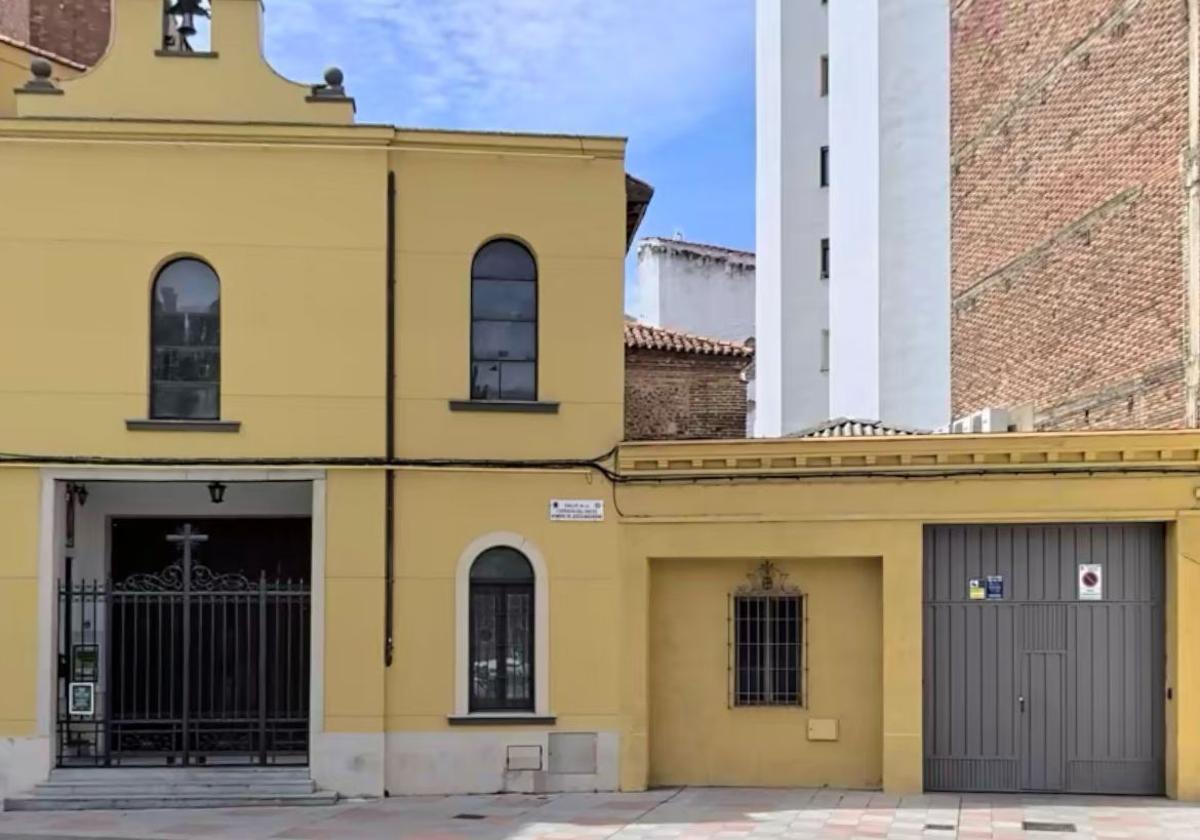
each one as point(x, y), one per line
point(1021, 701)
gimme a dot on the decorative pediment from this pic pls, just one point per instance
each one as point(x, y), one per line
point(152, 71)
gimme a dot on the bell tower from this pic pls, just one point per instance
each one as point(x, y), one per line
point(180, 21)
point(188, 60)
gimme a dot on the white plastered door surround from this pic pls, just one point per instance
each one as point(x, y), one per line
point(541, 620)
point(50, 551)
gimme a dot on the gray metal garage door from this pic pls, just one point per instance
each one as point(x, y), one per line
point(1044, 658)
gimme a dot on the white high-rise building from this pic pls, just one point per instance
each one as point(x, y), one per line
point(853, 213)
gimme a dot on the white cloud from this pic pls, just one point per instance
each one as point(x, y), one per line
point(643, 68)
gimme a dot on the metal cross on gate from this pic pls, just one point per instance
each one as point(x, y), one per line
point(186, 537)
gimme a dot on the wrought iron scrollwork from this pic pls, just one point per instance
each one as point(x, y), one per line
point(170, 579)
point(767, 579)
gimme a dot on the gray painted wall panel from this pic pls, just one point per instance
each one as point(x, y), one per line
point(1091, 672)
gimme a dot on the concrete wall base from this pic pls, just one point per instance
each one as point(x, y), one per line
point(519, 761)
point(24, 762)
point(351, 764)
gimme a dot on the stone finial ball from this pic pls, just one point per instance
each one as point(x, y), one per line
point(334, 77)
point(41, 68)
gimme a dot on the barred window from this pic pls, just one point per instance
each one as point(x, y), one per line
point(767, 620)
point(501, 632)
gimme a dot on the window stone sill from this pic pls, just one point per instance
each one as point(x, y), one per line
point(501, 719)
point(227, 426)
point(509, 406)
point(185, 54)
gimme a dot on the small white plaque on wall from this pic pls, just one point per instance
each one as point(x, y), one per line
point(524, 757)
point(576, 510)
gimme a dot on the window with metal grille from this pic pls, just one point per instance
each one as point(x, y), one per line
point(767, 640)
point(501, 632)
point(504, 340)
point(185, 342)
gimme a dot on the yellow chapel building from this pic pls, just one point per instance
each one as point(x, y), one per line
point(311, 464)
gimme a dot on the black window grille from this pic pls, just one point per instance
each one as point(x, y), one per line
point(768, 643)
point(504, 340)
point(185, 342)
point(501, 632)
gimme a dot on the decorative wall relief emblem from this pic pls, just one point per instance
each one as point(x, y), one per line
point(767, 579)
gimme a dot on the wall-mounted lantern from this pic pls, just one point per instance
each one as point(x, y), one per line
point(216, 492)
point(77, 493)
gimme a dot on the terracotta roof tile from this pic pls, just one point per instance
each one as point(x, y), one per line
point(850, 427)
point(647, 337)
point(38, 51)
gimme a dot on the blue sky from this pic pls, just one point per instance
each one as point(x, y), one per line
point(674, 76)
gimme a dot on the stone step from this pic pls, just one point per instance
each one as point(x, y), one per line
point(208, 770)
point(142, 776)
point(135, 788)
point(64, 789)
point(147, 800)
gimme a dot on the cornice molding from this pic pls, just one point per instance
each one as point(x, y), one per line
point(921, 454)
point(307, 134)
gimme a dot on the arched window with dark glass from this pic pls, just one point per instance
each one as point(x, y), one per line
point(504, 322)
point(185, 342)
point(501, 632)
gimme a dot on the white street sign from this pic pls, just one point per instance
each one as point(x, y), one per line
point(577, 510)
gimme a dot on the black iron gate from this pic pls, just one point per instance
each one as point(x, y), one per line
point(183, 667)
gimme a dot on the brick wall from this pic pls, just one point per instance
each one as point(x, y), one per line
point(14, 19)
point(1069, 125)
point(76, 29)
point(683, 395)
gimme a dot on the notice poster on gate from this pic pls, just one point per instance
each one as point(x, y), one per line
point(1091, 582)
point(81, 699)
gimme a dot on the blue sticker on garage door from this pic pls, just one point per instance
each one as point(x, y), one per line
point(994, 587)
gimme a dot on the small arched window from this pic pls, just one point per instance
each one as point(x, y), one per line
point(504, 322)
point(501, 632)
point(185, 342)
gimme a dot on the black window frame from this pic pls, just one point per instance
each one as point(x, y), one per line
point(768, 642)
point(502, 589)
point(153, 383)
point(824, 166)
point(825, 258)
point(536, 321)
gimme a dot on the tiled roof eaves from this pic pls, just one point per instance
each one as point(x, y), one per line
point(38, 51)
point(647, 337)
point(852, 427)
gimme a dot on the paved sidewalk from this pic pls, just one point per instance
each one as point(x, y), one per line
point(687, 814)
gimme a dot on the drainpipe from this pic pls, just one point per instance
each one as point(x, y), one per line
point(389, 476)
point(1191, 174)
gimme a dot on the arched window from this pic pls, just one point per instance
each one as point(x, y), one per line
point(501, 632)
point(504, 322)
point(185, 343)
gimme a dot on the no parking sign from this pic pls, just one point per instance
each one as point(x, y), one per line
point(1091, 582)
